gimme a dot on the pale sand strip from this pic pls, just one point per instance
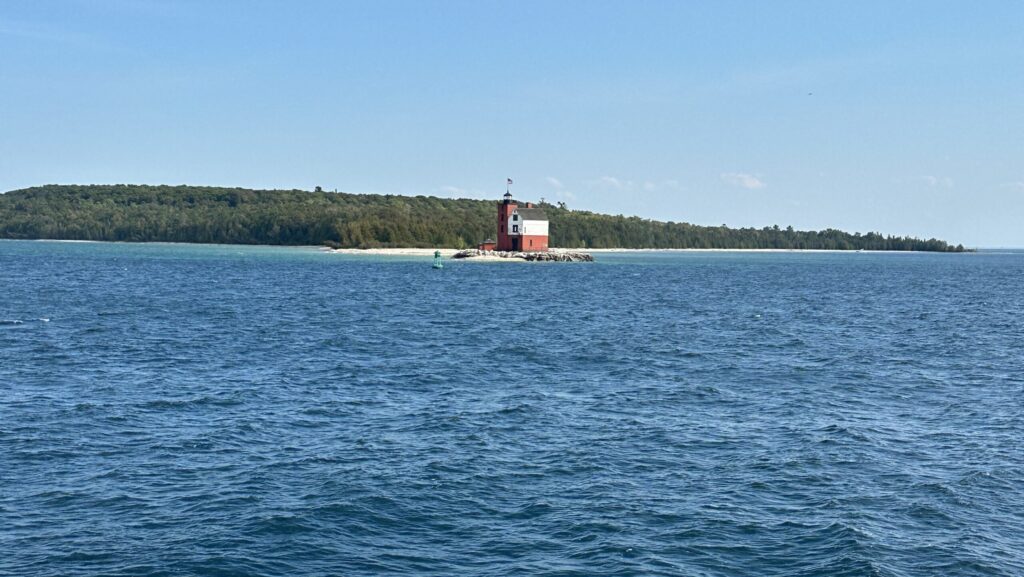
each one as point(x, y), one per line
point(726, 250)
point(424, 252)
point(448, 252)
point(445, 252)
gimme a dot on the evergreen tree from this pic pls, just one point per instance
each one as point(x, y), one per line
point(293, 217)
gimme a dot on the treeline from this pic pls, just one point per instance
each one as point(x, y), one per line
point(141, 213)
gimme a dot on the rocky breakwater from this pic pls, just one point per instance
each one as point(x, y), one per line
point(553, 256)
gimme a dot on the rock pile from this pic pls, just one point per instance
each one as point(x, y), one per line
point(554, 256)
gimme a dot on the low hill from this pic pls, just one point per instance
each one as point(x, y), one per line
point(294, 217)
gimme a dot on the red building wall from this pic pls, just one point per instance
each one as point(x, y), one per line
point(505, 209)
point(531, 243)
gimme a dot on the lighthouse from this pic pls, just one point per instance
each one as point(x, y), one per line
point(521, 229)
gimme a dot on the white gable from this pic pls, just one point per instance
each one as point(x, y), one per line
point(518, 226)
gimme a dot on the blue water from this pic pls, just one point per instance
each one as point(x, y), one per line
point(218, 410)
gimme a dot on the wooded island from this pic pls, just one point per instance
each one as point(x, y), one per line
point(199, 214)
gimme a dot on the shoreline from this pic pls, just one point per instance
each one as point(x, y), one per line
point(447, 252)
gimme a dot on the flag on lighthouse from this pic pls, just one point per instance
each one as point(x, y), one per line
point(509, 181)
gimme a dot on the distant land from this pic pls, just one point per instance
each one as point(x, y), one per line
point(199, 214)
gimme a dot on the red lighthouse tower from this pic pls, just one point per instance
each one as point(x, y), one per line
point(505, 209)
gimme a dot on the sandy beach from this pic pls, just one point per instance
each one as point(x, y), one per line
point(445, 252)
point(424, 252)
point(448, 252)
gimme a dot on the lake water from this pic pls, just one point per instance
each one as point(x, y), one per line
point(219, 410)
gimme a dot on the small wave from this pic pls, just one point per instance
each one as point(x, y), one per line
point(521, 408)
point(197, 401)
point(834, 430)
point(928, 512)
point(11, 322)
point(532, 511)
point(279, 525)
point(980, 478)
point(937, 488)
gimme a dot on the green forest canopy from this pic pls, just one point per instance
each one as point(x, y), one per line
point(203, 214)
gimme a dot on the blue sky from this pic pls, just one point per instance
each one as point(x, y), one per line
point(899, 117)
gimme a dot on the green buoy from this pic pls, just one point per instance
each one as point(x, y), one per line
point(437, 259)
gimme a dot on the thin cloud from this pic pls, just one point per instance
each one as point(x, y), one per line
point(612, 182)
point(652, 186)
point(936, 181)
point(48, 34)
point(742, 180)
point(560, 190)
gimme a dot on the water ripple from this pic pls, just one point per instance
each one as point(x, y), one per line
point(250, 411)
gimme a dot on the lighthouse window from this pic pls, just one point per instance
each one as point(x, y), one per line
point(515, 217)
point(515, 228)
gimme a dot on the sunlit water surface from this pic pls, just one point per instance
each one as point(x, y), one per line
point(220, 410)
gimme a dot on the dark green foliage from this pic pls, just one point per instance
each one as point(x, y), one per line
point(295, 217)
